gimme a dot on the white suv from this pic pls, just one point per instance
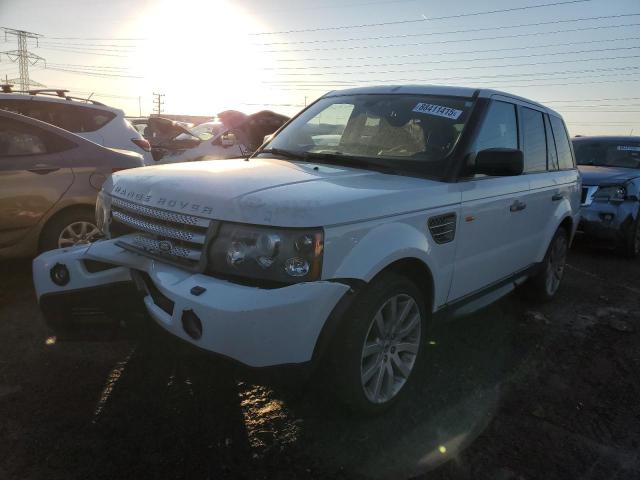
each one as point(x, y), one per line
point(88, 119)
point(370, 214)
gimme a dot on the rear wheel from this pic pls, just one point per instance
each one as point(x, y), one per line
point(545, 284)
point(70, 228)
point(378, 349)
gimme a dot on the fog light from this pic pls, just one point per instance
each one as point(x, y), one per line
point(192, 324)
point(60, 274)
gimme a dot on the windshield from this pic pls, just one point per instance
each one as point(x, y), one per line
point(608, 153)
point(408, 131)
point(204, 131)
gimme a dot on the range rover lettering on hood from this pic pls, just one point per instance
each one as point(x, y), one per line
point(161, 202)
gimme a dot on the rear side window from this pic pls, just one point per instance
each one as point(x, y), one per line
point(500, 129)
point(565, 159)
point(534, 141)
point(21, 139)
point(551, 146)
point(71, 117)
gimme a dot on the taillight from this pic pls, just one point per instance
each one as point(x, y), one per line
point(142, 143)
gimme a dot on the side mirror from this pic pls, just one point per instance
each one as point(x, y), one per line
point(500, 162)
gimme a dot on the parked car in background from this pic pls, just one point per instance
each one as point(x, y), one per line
point(413, 206)
point(610, 168)
point(233, 135)
point(49, 180)
point(89, 119)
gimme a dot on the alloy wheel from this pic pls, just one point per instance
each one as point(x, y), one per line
point(390, 348)
point(78, 233)
point(556, 263)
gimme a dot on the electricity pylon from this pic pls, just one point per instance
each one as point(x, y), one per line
point(23, 56)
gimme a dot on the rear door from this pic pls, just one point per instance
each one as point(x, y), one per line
point(33, 176)
point(493, 211)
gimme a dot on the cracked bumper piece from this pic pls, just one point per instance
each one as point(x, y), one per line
point(257, 327)
point(607, 222)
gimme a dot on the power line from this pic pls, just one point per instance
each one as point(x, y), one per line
point(82, 52)
point(460, 40)
point(92, 74)
point(471, 67)
point(455, 52)
point(97, 38)
point(45, 42)
point(544, 54)
point(423, 34)
point(592, 100)
point(424, 19)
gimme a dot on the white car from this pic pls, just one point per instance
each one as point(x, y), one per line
point(433, 202)
point(88, 119)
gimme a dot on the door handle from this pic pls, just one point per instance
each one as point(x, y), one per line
point(43, 170)
point(517, 206)
point(557, 197)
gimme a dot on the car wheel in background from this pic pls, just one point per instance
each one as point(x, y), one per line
point(379, 345)
point(632, 242)
point(70, 228)
point(545, 284)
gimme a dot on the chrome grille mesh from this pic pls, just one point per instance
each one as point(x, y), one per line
point(159, 233)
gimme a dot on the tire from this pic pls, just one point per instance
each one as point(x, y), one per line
point(364, 378)
point(60, 231)
point(545, 284)
point(632, 241)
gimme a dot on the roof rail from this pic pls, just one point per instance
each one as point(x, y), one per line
point(59, 92)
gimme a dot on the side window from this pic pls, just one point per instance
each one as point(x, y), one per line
point(534, 141)
point(565, 159)
point(19, 139)
point(500, 129)
point(551, 146)
point(15, 106)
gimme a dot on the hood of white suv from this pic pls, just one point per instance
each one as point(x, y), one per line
point(277, 192)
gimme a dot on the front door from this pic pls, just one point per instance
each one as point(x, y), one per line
point(493, 214)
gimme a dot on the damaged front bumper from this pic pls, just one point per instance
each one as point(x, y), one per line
point(608, 222)
point(254, 326)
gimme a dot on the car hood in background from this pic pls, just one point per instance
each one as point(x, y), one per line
point(593, 175)
point(278, 192)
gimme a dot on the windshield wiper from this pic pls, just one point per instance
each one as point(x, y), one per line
point(284, 153)
point(351, 161)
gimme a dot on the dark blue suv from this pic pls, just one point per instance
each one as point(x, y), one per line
point(610, 168)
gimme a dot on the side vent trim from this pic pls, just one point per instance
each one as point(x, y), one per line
point(443, 228)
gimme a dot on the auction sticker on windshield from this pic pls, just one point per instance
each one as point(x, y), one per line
point(437, 110)
point(626, 148)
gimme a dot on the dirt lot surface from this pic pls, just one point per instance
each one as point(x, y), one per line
point(518, 391)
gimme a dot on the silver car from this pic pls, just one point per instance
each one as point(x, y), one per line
point(49, 180)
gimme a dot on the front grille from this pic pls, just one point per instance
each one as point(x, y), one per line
point(443, 227)
point(174, 237)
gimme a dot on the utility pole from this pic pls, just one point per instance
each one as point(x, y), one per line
point(23, 56)
point(158, 100)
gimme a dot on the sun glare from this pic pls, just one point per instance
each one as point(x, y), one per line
point(201, 54)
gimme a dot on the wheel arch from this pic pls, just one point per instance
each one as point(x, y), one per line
point(82, 207)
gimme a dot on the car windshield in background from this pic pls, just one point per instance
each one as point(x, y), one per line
point(610, 153)
point(409, 132)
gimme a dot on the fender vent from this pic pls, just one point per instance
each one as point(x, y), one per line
point(443, 227)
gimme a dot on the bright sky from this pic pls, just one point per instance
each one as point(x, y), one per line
point(211, 55)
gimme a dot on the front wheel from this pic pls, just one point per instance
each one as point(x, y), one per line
point(545, 284)
point(379, 346)
point(70, 228)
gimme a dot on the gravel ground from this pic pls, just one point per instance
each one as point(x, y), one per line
point(518, 391)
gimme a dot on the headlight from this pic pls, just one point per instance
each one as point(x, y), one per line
point(613, 193)
point(103, 205)
point(263, 253)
